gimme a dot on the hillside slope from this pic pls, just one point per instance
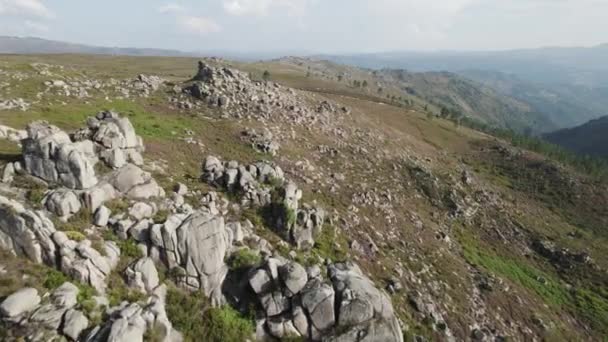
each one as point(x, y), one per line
point(209, 204)
point(587, 139)
point(436, 90)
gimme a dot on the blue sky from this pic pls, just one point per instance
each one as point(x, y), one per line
point(311, 25)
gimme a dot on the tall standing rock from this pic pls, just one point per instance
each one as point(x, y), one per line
point(49, 154)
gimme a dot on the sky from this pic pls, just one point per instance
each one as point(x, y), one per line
point(311, 26)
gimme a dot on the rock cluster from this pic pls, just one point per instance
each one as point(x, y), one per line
point(194, 247)
point(26, 233)
point(241, 97)
point(51, 155)
point(32, 235)
point(115, 140)
point(562, 257)
point(130, 321)
point(18, 103)
point(246, 179)
point(59, 316)
point(261, 142)
point(147, 84)
point(299, 302)
point(298, 225)
point(12, 134)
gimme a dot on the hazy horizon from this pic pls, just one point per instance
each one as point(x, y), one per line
point(312, 26)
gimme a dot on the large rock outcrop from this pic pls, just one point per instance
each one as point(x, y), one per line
point(298, 302)
point(129, 321)
point(196, 245)
point(31, 234)
point(50, 319)
point(49, 154)
point(364, 313)
point(26, 233)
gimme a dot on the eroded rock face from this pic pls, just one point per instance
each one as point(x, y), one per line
point(196, 243)
point(297, 302)
point(63, 203)
point(20, 302)
point(130, 321)
point(49, 154)
point(84, 263)
point(365, 313)
point(56, 316)
point(134, 183)
point(25, 232)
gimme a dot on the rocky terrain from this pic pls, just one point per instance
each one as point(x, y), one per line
point(205, 203)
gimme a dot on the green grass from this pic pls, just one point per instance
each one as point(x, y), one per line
point(243, 259)
point(330, 244)
point(588, 305)
point(54, 279)
point(190, 314)
point(77, 223)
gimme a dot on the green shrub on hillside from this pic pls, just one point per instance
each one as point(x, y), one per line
point(243, 259)
point(190, 314)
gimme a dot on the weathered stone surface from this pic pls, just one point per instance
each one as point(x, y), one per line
point(294, 277)
point(135, 183)
point(20, 302)
point(50, 155)
point(63, 203)
point(74, 323)
point(198, 243)
point(26, 233)
point(363, 309)
point(102, 216)
point(318, 301)
point(143, 275)
point(130, 321)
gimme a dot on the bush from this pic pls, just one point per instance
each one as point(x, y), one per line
point(74, 235)
point(119, 292)
point(243, 259)
point(129, 249)
point(189, 314)
point(161, 216)
point(77, 223)
point(54, 279)
point(226, 324)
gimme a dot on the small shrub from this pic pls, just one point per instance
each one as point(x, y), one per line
point(226, 324)
point(77, 223)
point(330, 245)
point(36, 195)
point(119, 292)
point(54, 279)
point(76, 236)
point(85, 293)
point(117, 206)
point(290, 215)
point(129, 249)
point(243, 259)
point(254, 217)
point(161, 216)
point(185, 311)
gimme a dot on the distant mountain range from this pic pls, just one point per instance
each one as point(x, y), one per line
point(566, 86)
point(590, 138)
point(33, 45)
point(539, 89)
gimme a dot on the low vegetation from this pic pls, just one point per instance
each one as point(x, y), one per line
point(191, 315)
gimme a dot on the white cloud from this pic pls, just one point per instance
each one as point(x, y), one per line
point(263, 7)
point(35, 27)
point(171, 8)
point(197, 25)
point(29, 8)
point(192, 24)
